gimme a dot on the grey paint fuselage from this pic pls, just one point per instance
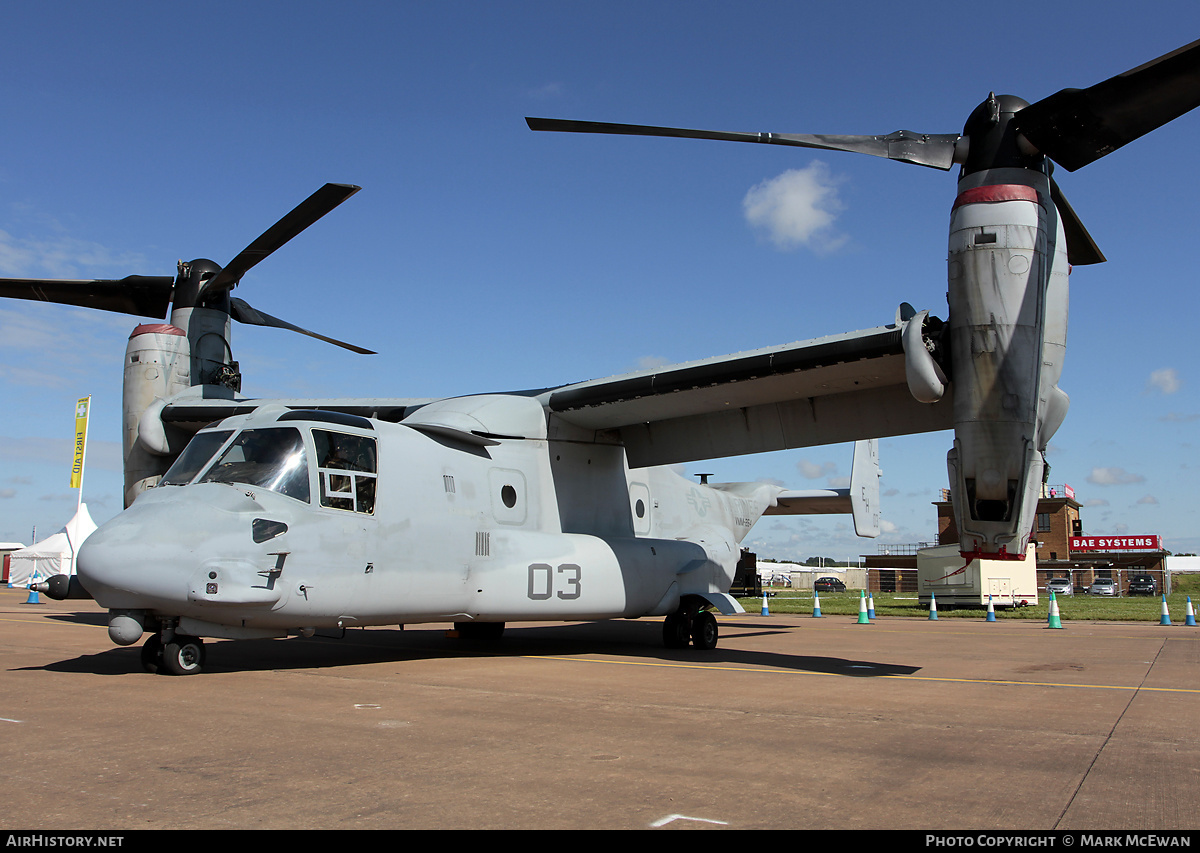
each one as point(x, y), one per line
point(520, 528)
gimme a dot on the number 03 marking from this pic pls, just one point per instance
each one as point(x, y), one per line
point(542, 583)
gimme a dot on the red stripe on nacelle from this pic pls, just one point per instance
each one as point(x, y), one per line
point(997, 192)
point(157, 329)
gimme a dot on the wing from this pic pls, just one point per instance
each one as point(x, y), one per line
point(823, 391)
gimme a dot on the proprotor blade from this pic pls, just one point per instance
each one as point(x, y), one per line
point(1081, 248)
point(140, 295)
point(304, 215)
point(1077, 126)
point(935, 151)
point(241, 311)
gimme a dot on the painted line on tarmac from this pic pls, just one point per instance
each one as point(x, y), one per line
point(929, 678)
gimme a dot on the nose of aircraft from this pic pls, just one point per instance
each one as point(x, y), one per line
point(145, 557)
point(119, 564)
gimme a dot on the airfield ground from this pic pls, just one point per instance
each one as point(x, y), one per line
point(793, 722)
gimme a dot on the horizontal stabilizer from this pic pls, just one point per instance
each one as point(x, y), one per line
point(860, 500)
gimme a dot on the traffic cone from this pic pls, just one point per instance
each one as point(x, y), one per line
point(870, 606)
point(765, 612)
point(863, 619)
point(816, 604)
point(932, 606)
point(1191, 614)
point(1055, 621)
point(991, 611)
point(33, 596)
point(1165, 619)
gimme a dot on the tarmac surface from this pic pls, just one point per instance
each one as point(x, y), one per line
point(793, 722)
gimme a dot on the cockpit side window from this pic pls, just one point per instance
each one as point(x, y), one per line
point(271, 458)
point(195, 456)
point(346, 470)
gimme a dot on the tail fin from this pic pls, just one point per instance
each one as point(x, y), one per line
point(861, 500)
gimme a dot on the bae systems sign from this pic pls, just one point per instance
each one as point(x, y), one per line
point(1116, 543)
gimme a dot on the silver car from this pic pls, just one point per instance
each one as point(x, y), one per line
point(1103, 586)
point(1060, 586)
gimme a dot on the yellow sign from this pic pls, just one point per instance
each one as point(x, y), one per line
point(81, 416)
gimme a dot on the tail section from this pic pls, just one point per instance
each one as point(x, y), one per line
point(861, 500)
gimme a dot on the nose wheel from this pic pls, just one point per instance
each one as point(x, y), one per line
point(180, 655)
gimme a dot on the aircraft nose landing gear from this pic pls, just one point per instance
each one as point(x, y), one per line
point(179, 655)
point(683, 627)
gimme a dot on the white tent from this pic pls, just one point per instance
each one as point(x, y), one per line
point(52, 556)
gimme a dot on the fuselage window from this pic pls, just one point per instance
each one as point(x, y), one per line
point(346, 470)
point(271, 458)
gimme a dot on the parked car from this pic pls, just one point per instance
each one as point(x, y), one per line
point(1060, 586)
point(1103, 586)
point(828, 585)
point(1143, 585)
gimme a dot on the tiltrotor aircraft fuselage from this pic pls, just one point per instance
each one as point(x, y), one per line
point(474, 510)
point(252, 518)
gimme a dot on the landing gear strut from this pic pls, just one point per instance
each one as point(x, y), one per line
point(683, 626)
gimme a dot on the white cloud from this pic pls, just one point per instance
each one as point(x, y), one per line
point(60, 257)
point(1166, 380)
point(545, 91)
point(103, 455)
point(1148, 499)
point(797, 208)
point(813, 471)
point(1113, 477)
point(651, 362)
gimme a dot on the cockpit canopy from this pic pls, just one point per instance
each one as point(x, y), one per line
point(340, 467)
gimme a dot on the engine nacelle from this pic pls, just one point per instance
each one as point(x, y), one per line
point(157, 366)
point(1008, 319)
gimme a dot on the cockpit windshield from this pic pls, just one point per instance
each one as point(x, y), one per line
point(195, 456)
point(270, 458)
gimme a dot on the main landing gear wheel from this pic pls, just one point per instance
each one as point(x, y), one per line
point(676, 631)
point(704, 631)
point(700, 629)
point(182, 656)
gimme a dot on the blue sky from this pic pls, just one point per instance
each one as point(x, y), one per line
point(481, 256)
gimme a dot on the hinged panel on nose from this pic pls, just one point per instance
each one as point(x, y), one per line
point(232, 582)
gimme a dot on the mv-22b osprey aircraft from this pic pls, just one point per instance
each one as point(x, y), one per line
point(265, 518)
